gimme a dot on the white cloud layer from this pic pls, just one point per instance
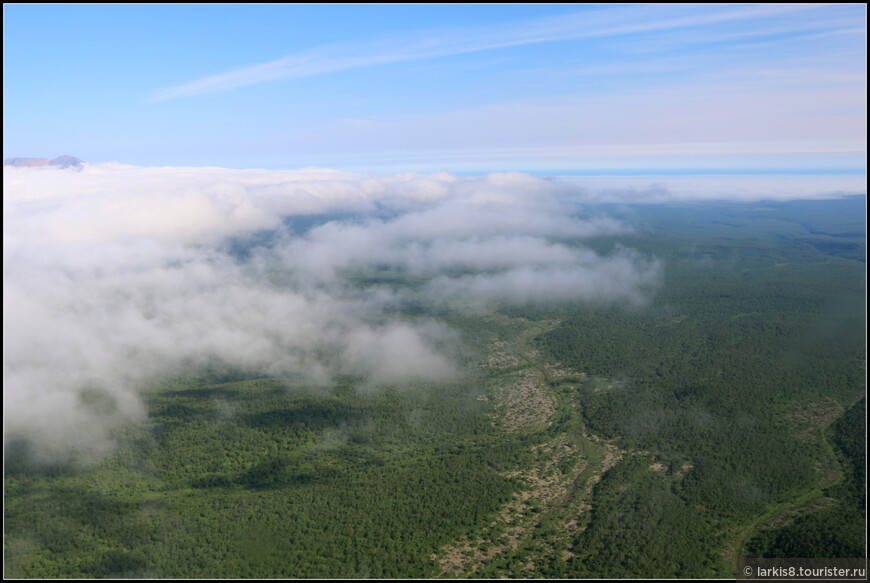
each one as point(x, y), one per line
point(117, 277)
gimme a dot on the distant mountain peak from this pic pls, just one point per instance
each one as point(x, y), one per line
point(59, 162)
point(67, 162)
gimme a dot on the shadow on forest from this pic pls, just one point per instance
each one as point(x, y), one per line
point(78, 514)
point(275, 473)
point(20, 461)
point(205, 393)
point(313, 416)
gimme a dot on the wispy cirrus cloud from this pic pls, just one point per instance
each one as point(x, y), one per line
point(597, 23)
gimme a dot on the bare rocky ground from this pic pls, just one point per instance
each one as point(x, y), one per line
point(810, 417)
point(546, 487)
point(499, 356)
point(558, 484)
point(525, 404)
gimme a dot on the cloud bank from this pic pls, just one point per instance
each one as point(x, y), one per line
point(119, 277)
point(713, 187)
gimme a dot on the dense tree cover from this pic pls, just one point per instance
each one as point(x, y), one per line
point(251, 479)
point(838, 528)
point(723, 394)
point(639, 525)
point(849, 434)
point(746, 332)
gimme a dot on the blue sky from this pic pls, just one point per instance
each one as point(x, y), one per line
point(616, 88)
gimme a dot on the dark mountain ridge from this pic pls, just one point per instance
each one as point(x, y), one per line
point(59, 162)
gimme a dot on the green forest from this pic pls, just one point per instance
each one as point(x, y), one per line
point(724, 418)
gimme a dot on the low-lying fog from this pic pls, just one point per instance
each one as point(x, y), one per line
point(118, 277)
